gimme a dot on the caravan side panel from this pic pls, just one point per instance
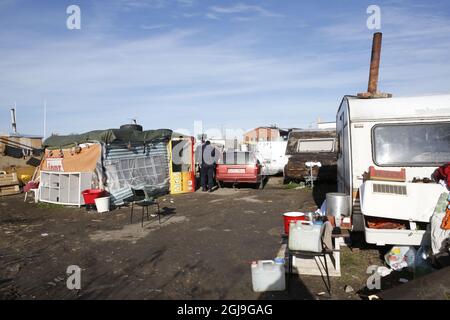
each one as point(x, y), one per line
point(344, 149)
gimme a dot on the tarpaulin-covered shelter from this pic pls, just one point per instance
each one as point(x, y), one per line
point(115, 160)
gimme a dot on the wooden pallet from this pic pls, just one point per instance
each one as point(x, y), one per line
point(9, 190)
point(8, 179)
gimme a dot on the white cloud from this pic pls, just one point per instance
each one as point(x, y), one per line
point(186, 3)
point(241, 8)
point(155, 27)
point(175, 75)
point(140, 4)
point(211, 16)
point(190, 14)
point(173, 70)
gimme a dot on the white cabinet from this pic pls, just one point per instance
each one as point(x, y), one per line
point(64, 187)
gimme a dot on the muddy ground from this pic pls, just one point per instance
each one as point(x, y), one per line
point(202, 249)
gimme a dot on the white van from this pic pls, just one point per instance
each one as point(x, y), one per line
point(411, 133)
point(272, 156)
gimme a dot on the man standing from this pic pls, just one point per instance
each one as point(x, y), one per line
point(207, 164)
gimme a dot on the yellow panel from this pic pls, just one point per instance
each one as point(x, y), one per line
point(176, 182)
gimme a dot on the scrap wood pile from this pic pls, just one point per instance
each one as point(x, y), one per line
point(9, 183)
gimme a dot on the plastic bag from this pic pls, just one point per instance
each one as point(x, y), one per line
point(422, 265)
point(383, 271)
point(400, 257)
point(323, 209)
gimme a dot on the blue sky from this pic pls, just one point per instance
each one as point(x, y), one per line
point(232, 64)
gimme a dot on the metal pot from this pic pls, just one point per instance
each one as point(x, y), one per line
point(338, 204)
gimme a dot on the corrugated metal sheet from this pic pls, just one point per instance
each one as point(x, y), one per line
point(136, 166)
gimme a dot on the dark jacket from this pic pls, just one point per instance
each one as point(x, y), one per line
point(206, 155)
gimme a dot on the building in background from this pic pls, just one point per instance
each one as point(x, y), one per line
point(326, 125)
point(271, 133)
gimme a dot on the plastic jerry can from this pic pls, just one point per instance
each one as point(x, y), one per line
point(268, 275)
point(305, 236)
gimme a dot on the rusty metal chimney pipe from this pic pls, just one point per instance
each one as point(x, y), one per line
point(375, 63)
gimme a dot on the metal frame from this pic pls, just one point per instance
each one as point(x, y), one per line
point(323, 254)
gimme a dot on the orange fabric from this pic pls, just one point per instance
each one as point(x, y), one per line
point(446, 221)
point(71, 161)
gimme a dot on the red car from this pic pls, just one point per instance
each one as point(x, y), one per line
point(239, 167)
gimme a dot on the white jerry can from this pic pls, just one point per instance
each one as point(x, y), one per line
point(268, 275)
point(305, 236)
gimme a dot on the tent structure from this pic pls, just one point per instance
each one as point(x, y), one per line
point(118, 160)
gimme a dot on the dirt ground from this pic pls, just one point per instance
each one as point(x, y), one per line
point(202, 249)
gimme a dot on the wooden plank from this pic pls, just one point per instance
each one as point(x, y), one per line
point(8, 179)
point(9, 190)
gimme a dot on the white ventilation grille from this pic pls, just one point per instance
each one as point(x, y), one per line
point(389, 189)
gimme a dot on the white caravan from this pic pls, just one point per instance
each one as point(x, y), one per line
point(390, 134)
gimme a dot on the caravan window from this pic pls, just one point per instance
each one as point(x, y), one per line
point(415, 144)
point(315, 145)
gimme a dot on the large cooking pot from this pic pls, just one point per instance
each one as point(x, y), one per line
point(338, 204)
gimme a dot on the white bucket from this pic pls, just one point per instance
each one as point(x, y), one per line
point(102, 204)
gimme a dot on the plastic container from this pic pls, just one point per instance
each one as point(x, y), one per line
point(102, 204)
point(292, 216)
point(268, 275)
point(305, 236)
point(90, 195)
point(403, 237)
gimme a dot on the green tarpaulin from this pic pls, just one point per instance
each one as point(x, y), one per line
point(108, 136)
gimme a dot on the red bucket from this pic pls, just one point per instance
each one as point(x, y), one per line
point(292, 216)
point(90, 195)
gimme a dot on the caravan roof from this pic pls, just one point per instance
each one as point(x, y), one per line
point(423, 107)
